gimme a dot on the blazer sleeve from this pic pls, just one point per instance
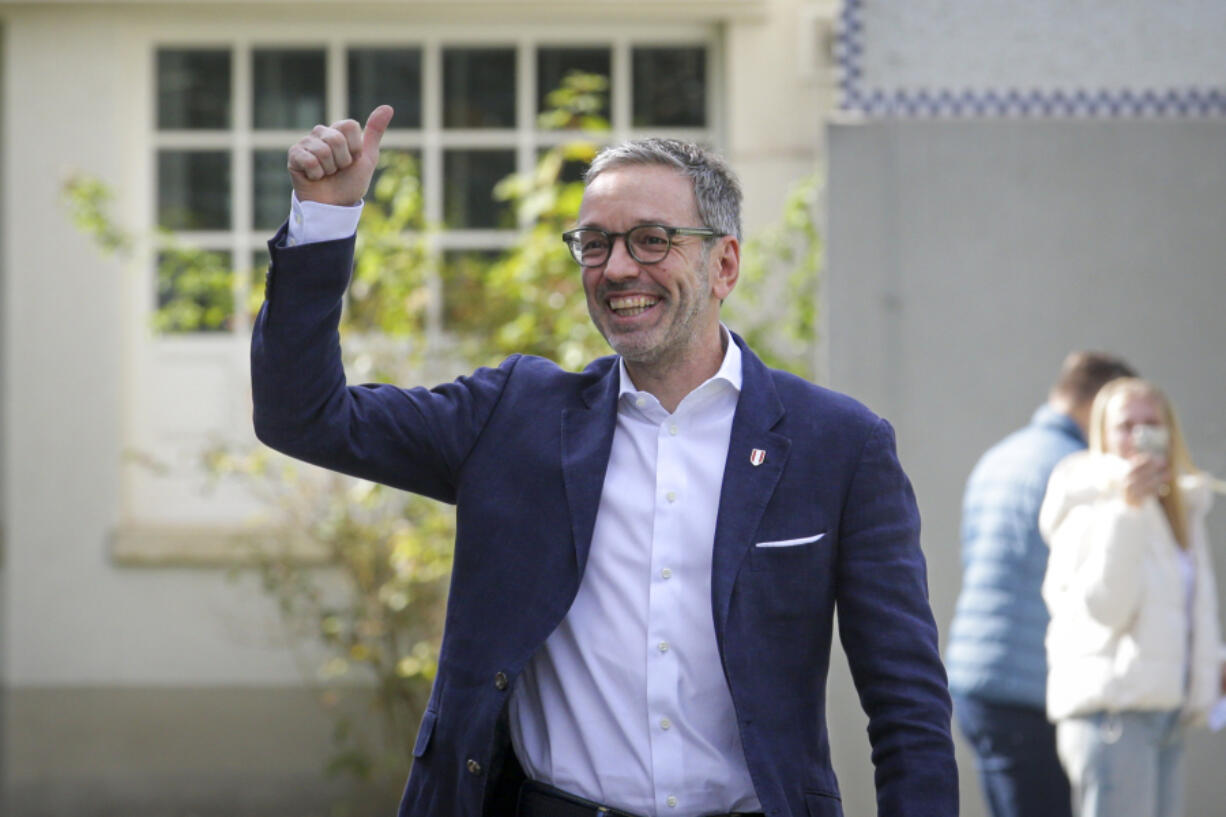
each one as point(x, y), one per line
point(1078, 479)
point(1098, 545)
point(415, 439)
point(890, 638)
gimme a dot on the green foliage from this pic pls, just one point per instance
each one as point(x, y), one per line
point(389, 292)
point(195, 291)
point(775, 304)
point(576, 105)
point(87, 199)
point(377, 607)
point(377, 610)
point(530, 299)
point(195, 287)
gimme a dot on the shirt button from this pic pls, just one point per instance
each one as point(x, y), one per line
point(292, 242)
point(297, 218)
point(500, 681)
point(666, 573)
point(671, 496)
point(642, 401)
point(665, 723)
point(672, 430)
point(662, 646)
point(671, 801)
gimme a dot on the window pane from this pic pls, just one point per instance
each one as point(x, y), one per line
point(469, 177)
point(670, 87)
point(195, 291)
point(553, 64)
point(194, 189)
point(289, 88)
point(193, 89)
point(479, 88)
point(379, 76)
point(270, 191)
point(572, 170)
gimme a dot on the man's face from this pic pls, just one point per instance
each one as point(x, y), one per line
point(649, 313)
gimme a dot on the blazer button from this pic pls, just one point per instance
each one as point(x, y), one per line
point(500, 681)
point(473, 766)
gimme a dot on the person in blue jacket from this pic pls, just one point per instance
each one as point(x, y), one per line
point(995, 655)
point(649, 553)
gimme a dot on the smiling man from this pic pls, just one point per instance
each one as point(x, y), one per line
point(654, 278)
point(649, 553)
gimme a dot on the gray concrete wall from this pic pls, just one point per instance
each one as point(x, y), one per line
point(965, 258)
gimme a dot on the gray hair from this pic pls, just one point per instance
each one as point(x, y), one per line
point(716, 189)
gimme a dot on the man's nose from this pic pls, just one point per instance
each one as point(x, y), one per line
point(621, 265)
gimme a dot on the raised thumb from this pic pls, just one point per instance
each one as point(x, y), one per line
point(376, 125)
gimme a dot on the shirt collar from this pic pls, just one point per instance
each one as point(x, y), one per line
point(729, 370)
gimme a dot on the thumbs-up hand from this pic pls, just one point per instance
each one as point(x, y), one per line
point(334, 164)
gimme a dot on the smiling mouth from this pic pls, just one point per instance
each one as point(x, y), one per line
point(628, 306)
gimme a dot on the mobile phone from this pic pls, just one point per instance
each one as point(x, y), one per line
point(1152, 440)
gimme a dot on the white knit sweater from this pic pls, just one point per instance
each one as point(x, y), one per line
point(1118, 637)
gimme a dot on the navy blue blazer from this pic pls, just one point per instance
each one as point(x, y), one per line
point(521, 450)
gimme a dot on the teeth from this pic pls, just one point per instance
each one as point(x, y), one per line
point(630, 305)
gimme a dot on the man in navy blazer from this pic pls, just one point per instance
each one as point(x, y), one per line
point(649, 553)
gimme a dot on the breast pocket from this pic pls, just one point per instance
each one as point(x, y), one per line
point(789, 578)
point(790, 543)
point(788, 554)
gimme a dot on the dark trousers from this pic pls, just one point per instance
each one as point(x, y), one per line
point(1015, 754)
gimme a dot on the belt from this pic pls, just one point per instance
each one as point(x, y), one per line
point(541, 800)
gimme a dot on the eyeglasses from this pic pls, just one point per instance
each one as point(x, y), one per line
point(646, 243)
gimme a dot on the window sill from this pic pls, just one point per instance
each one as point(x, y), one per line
point(204, 546)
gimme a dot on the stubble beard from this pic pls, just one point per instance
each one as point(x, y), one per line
point(669, 341)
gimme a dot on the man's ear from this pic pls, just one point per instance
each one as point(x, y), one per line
point(725, 267)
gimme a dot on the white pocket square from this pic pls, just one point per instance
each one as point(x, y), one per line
point(790, 543)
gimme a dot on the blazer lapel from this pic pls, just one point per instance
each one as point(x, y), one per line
point(587, 439)
point(756, 456)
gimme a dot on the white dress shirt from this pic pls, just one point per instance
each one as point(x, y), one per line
point(626, 703)
point(311, 221)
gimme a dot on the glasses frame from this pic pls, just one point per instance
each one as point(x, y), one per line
point(570, 235)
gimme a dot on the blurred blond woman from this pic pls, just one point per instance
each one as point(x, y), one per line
point(1133, 648)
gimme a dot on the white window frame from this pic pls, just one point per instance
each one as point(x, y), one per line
point(190, 389)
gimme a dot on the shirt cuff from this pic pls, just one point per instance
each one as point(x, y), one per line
point(311, 221)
